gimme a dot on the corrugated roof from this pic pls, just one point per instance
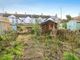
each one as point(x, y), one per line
point(45, 22)
point(49, 19)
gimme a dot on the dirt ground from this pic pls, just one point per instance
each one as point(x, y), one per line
point(31, 51)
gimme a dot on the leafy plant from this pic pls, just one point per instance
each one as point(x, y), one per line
point(70, 56)
point(6, 57)
point(9, 47)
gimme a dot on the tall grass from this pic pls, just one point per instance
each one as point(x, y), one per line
point(54, 48)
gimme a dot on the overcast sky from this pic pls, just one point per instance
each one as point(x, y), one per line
point(49, 7)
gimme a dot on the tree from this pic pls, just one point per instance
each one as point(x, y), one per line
point(68, 17)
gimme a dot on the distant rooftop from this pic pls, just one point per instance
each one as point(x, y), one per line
point(25, 15)
point(77, 18)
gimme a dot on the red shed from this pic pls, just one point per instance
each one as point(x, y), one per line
point(48, 26)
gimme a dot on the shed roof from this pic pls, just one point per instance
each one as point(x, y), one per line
point(47, 21)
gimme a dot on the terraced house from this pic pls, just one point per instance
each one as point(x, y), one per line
point(28, 19)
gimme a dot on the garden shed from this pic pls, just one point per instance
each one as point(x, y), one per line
point(73, 25)
point(49, 26)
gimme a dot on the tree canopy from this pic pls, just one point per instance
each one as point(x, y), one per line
point(68, 17)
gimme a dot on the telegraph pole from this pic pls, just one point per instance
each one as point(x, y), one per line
point(3, 12)
point(61, 12)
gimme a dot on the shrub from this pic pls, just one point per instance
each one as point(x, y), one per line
point(69, 56)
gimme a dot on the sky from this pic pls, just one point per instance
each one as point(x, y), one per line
point(47, 7)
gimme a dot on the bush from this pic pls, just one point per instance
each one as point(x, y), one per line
point(69, 56)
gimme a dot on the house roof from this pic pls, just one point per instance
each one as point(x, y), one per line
point(77, 18)
point(12, 16)
point(25, 15)
point(43, 18)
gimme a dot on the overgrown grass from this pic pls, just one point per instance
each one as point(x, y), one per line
point(54, 48)
point(10, 49)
